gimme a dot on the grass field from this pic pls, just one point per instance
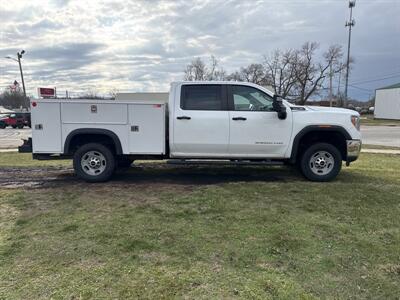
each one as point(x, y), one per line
point(203, 233)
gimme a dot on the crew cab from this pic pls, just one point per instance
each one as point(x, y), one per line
point(202, 122)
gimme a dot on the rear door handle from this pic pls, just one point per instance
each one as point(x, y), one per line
point(183, 118)
point(239, 119)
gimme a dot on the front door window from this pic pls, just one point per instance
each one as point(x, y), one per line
point(246, 98)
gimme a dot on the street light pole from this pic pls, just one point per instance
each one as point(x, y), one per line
point(349, 24)
point(19, 56)
point(20, 69)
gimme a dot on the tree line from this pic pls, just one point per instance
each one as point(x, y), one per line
point(294, 74)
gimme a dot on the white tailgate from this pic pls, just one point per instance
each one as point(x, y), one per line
point(46, 128)
point(146, 128)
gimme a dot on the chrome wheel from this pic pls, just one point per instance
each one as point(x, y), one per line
point(93, 163)
point(321, 163)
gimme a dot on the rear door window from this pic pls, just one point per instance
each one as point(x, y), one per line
point(201, 97)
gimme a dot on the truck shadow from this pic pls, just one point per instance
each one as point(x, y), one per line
point(151, 174)
point(204, 175)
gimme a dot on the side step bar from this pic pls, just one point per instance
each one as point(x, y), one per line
point(224, 162)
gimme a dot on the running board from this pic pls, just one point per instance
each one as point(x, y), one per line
point(232, 162)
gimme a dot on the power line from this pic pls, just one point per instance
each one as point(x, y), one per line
point(378, 79)
point(359, 88)
point(378, 76)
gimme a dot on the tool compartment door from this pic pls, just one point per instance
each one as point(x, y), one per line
point(46, 128)
point(146, 128)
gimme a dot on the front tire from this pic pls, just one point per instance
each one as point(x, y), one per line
point(94, 162)
point(321, 162)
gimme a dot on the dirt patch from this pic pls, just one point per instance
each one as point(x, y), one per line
point(33, 177)
point(145, 175)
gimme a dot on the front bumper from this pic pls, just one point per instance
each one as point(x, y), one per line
point(353, 150)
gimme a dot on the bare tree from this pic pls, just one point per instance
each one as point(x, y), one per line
point(198, 70)
point(333, 57)
point(235, 76)
point(254, 73)
point(91, 94)
point(280, 71)
point(310, 74)
point(295, 74)
point(113, 93)
point(14, 98)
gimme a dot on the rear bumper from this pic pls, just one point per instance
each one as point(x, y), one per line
point(353, 150)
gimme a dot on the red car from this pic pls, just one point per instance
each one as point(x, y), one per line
point(17, 120)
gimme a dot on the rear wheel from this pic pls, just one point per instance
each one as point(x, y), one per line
point(94, 162)
point(14, 126)
point(20, 126)
point(321, 162)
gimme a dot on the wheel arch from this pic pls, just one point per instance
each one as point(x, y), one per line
point(335, 135)
point(99, 135)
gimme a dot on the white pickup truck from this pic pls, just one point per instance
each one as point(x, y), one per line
point(203, 122)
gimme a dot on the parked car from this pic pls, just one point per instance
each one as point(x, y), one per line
point(205, 123)
point(2, 124)
point(18, 120)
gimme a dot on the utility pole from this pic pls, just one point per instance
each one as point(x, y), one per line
point(349, 24)
point(19, 56)
point(330, 85)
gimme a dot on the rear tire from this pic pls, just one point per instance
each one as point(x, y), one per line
point(321, 162)
point(94, 162)
point(14, 126)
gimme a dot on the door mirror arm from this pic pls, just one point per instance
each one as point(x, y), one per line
point(279, 107)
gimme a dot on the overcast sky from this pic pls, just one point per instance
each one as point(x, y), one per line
point(144, 45)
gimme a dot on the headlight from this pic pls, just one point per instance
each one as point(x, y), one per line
point(356, 121)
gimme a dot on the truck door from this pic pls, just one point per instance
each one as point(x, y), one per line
point(255, 130)
point(200, 121)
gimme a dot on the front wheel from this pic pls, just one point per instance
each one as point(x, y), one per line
point(94, 162)
point(321, 162)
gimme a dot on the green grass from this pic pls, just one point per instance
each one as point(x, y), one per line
point(370, 121)
point(364, 146)
point(14, 159)
point(255, 233)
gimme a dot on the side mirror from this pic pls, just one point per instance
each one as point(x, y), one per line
point(279, 107)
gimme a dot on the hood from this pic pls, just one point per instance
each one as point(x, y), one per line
point(333, 109)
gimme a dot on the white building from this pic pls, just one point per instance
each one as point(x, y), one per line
point(387, 102)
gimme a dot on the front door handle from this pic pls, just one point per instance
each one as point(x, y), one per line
point(183, 118)
point(239, 119)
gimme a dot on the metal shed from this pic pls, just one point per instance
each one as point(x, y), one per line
point(387, 102)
